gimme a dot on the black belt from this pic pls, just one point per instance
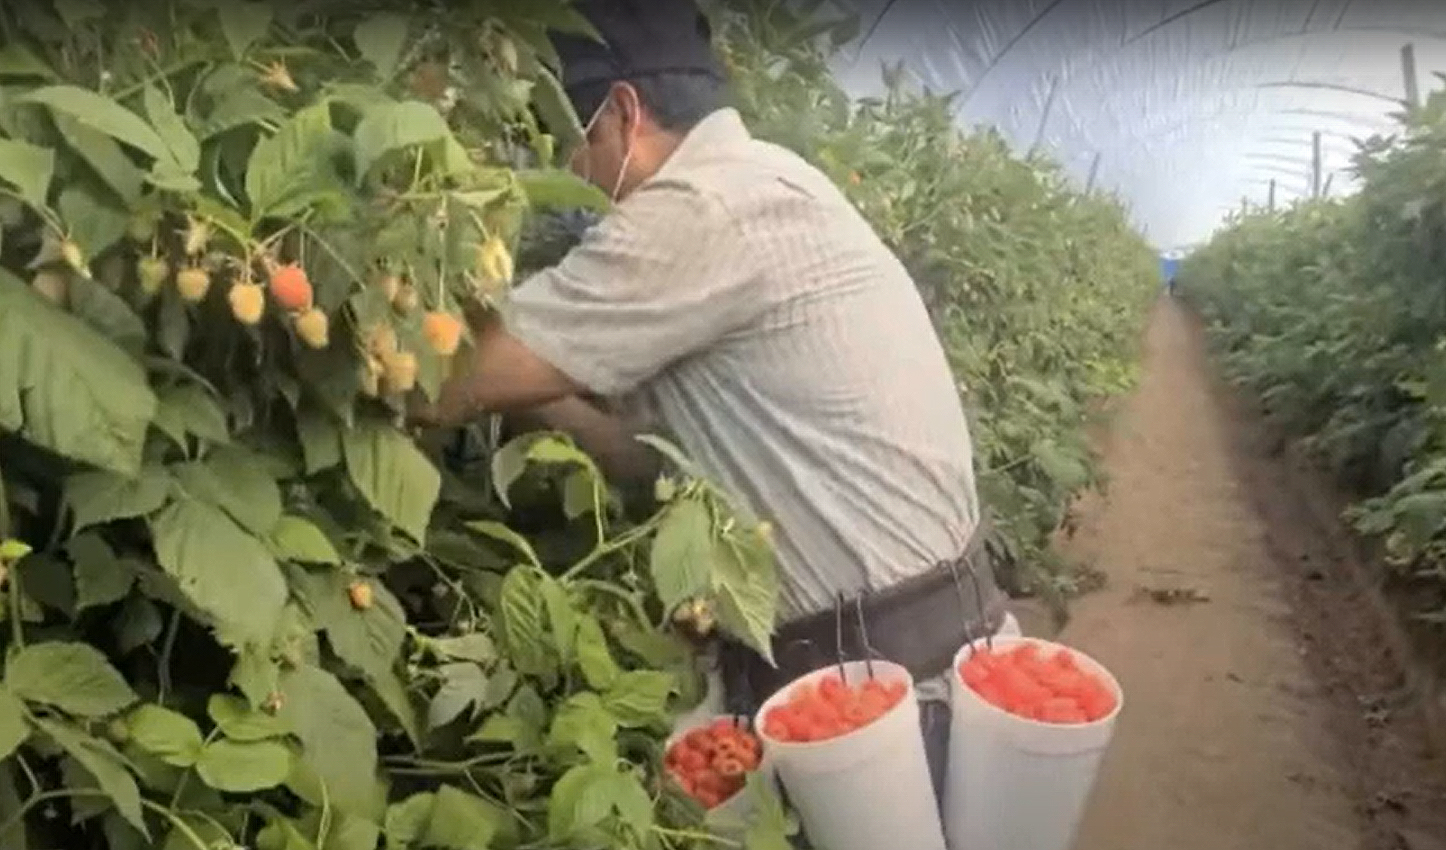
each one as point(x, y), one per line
point(919, 623)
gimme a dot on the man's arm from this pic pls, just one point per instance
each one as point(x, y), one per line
point(608, 439)
point(499, 375)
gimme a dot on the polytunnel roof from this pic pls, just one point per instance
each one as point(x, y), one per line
point(1190, 105)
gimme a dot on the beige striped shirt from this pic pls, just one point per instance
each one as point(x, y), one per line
point(741, 301)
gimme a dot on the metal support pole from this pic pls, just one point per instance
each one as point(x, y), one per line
point(1270, 199)
point(1326, 189)
point(1094, 173)
point(1408, 76)
point(1315, 165)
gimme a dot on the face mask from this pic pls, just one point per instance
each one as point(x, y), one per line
point(627, 154)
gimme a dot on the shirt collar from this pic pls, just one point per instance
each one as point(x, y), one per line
point(721, 128)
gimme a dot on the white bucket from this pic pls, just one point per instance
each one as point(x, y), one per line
point(729, 819)
point(866, 790)
point(1015, 783)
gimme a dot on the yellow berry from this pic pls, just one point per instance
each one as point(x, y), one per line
point(313, 328)
point(193, 282)
point(406, 300)
point(248, 302)
point(152, 273)
point(443, 332)
point(399, 371)
point(361, 595)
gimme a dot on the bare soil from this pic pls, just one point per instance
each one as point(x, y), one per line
point(1267, 701)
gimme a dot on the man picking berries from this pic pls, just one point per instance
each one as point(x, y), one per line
point(736, 298)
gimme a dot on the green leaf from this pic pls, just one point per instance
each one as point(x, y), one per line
point(240, 722)
point(461, 821)
point(586, 796)
point(185, 151)
point(380, 39)
point(476, 647)
point(170, 736)
point(523, 617)
point(593, 656)
point(243, 767)
point(103, 114)
point(67, 388)
point(639, 698)
point(17, 60)
point(104, 310)
point(104, 764)
point(338, 739)
point(101, 578)
point(73, 677)
point(681, 560)
point(14, 728)
point(583, 722)
point(320, 442)
point(393, 475)
point(368, 640)
point(96, 498)
point(508, 464)
point(554, 107)
point(189, 409)
point(105, 157)
point(243, 23)
point(388, 127)
point(464, 688)
point(28, 168)
point(292, 168)
point(746, 590)
point(561, 616)
point(500, 532)
point(297, 539)
point(558, 189)
point(235, 480)
point(225, 572)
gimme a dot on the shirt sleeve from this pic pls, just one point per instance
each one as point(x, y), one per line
point(663, 275)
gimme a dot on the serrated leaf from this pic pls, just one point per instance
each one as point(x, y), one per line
point(388, 127)
point(682, 555)
point(583, 722)
point(476, 647)
point(291, 168)
point(380, 39)
point(461, 821)
point(555, 109)
point(584, 798)
point(522, 618)
point(559, 189)
point(338, 739)
point(104, 764)
point(14, 728)
point(73, 677)
point(189, 409)
point(184, 150)
point(463, 688)
point(593, 656)
point(393, 475)
point(235, 480)
point(500, 532)
point(99, 497)
point(240, 722)
point(104, 310)
point(298, 539)
point(101, 577)
point(29, 169)
point(102, 114)
point(65, 387)
point(369, 640)
point(746, 591)
point(243, 767)
point(639, 698)
point(170, 736)
point(105, 157)
point(222, 570)
point(243, 23)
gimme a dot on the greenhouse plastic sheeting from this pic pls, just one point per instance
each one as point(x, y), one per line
point(1182, 107)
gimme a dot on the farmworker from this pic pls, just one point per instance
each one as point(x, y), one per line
point(736, 298)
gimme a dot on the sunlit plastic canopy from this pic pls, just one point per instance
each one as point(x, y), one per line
point(1183, 107)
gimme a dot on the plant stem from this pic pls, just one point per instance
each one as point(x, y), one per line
point(67, 793)
point(622, 541)
point(687, 835)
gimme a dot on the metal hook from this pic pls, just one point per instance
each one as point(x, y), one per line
point(864, 636)
point(838, 635)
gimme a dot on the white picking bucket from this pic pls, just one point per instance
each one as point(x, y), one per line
point(1015, 783)
point(729, 819)
point(868, 789)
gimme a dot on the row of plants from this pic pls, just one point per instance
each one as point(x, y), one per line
point(244, 606)
point(1333, 313)
point(1039, 290)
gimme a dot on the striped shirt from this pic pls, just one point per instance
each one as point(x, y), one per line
point(741, 302)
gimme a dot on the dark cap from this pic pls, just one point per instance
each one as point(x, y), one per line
point(642, 37)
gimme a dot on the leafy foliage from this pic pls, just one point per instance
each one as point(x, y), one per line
point(1039, 291)
point(249, 608)
point(1332, 311)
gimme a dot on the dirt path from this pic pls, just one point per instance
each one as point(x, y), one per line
point(1261, 715)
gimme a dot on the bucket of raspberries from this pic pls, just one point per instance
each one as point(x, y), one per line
point(846, 745)
point(1031, 722)
point(711, 761)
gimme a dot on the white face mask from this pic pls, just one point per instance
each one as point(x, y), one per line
point(627, 154)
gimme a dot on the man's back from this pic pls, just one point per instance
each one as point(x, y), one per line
point(749, 307)
point(833, 411)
